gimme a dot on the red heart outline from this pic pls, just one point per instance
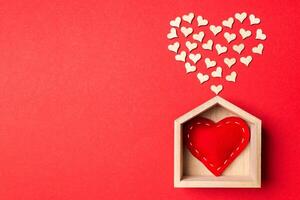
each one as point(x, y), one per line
point(216, 145)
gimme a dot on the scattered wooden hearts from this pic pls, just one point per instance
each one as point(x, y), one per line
point(176, 22)
point(229, 61)
point(199, 37)
point(181, 56)
point(174, 47)
point(216, 89)
point(208, 45)
point(186, 31)
point(188, 18)
point(238, 48)
point(215, 29)
point(202, 77)
point(258, 49)
point(209, 42)
point(172, 34)
point(195, 57)
point(189, 68)
point(201, 21)
point(240, 16)
point(245, 33)
point(217, 73)
point(260, 35)
point(220, 49)
point(253, 19)
point(231, 77)
point(228, 23)
point(210, 63)
point(191, 46)
point(246, 60)
point(229, 37)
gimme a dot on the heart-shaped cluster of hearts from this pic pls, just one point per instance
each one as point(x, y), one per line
point(216, 145)
point(213, 51)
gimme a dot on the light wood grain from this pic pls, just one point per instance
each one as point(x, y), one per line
point(245, 171)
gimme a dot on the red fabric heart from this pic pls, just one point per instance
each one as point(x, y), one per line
point(216, 145)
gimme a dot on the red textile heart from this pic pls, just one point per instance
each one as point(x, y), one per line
point(216, 145)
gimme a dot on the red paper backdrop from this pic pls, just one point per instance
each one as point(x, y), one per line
point(89, 93)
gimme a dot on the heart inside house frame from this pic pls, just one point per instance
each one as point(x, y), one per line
point(214, 53)
point(217, 144)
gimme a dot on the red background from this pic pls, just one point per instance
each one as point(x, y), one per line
point(89, 92)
